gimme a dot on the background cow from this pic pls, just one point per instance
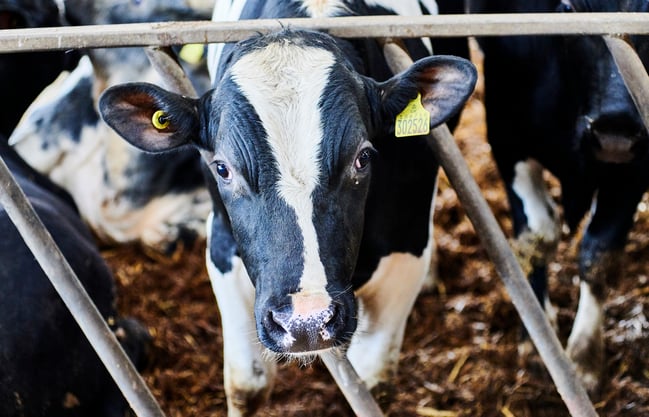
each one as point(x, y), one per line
point(125, 195)
point(316, 204)
point(48, 366)
point(559, 103)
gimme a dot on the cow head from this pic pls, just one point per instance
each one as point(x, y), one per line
point(608, 125)
point(294, 130)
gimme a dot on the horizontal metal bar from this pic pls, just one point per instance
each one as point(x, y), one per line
point(177, 33)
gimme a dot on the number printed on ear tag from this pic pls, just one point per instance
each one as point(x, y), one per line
point(414, 120)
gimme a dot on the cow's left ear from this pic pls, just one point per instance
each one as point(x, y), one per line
point(150, 117)
point(444, 82)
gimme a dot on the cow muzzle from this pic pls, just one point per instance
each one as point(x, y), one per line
point(616, 138)
point(311, 323)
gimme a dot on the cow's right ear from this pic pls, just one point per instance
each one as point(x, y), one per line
point(444, 83)
point(150, 117)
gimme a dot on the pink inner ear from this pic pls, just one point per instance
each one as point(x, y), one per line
point(437, 83)
point(139, 100)
point(444, 89)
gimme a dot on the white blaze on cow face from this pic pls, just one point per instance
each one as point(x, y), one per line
point(284, 83)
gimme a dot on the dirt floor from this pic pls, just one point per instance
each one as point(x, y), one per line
point(460, 351)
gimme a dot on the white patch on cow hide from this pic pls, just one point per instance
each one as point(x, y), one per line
point(28, 138)
point(284, 83)
point(385, 302)
point(246, 370)
point(324, 8)
point(224, 11)
point(589, 319)
point(530, 187)
point(408, 8)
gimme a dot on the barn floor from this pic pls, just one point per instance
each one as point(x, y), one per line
point(460, 352)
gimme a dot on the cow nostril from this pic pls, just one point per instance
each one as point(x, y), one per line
point(329, 323)
point(277, 322)
point(330, 316)
point(617, 124)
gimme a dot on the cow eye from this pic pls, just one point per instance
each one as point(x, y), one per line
point(223, 171)
point(363, 159)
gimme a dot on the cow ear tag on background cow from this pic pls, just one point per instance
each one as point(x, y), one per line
point(160, 120)
point(414, 120)
point(192, 53)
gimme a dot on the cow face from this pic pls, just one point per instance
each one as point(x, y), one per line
point(608, 125)
point(293, 129)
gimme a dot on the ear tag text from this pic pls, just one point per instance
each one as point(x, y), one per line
point(160, 120)
point(414, 120)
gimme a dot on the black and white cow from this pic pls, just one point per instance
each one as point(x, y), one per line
point(47, 367)
point(559, 103)
point(124, 194)
point(321, 234)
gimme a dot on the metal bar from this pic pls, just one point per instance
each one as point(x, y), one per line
point(493, 240)
point(350, 384)
point(176, 33)
point(633, 72)
point(75, 297)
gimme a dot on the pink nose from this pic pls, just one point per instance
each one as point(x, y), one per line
point(308, 324)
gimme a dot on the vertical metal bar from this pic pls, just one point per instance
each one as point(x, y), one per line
point(633, 73)
point(351, 385)
point(493, 239)
point(75, 297)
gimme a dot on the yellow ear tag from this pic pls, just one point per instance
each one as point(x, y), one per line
point(414, 120)
point(192, 53)
point(160, 120)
